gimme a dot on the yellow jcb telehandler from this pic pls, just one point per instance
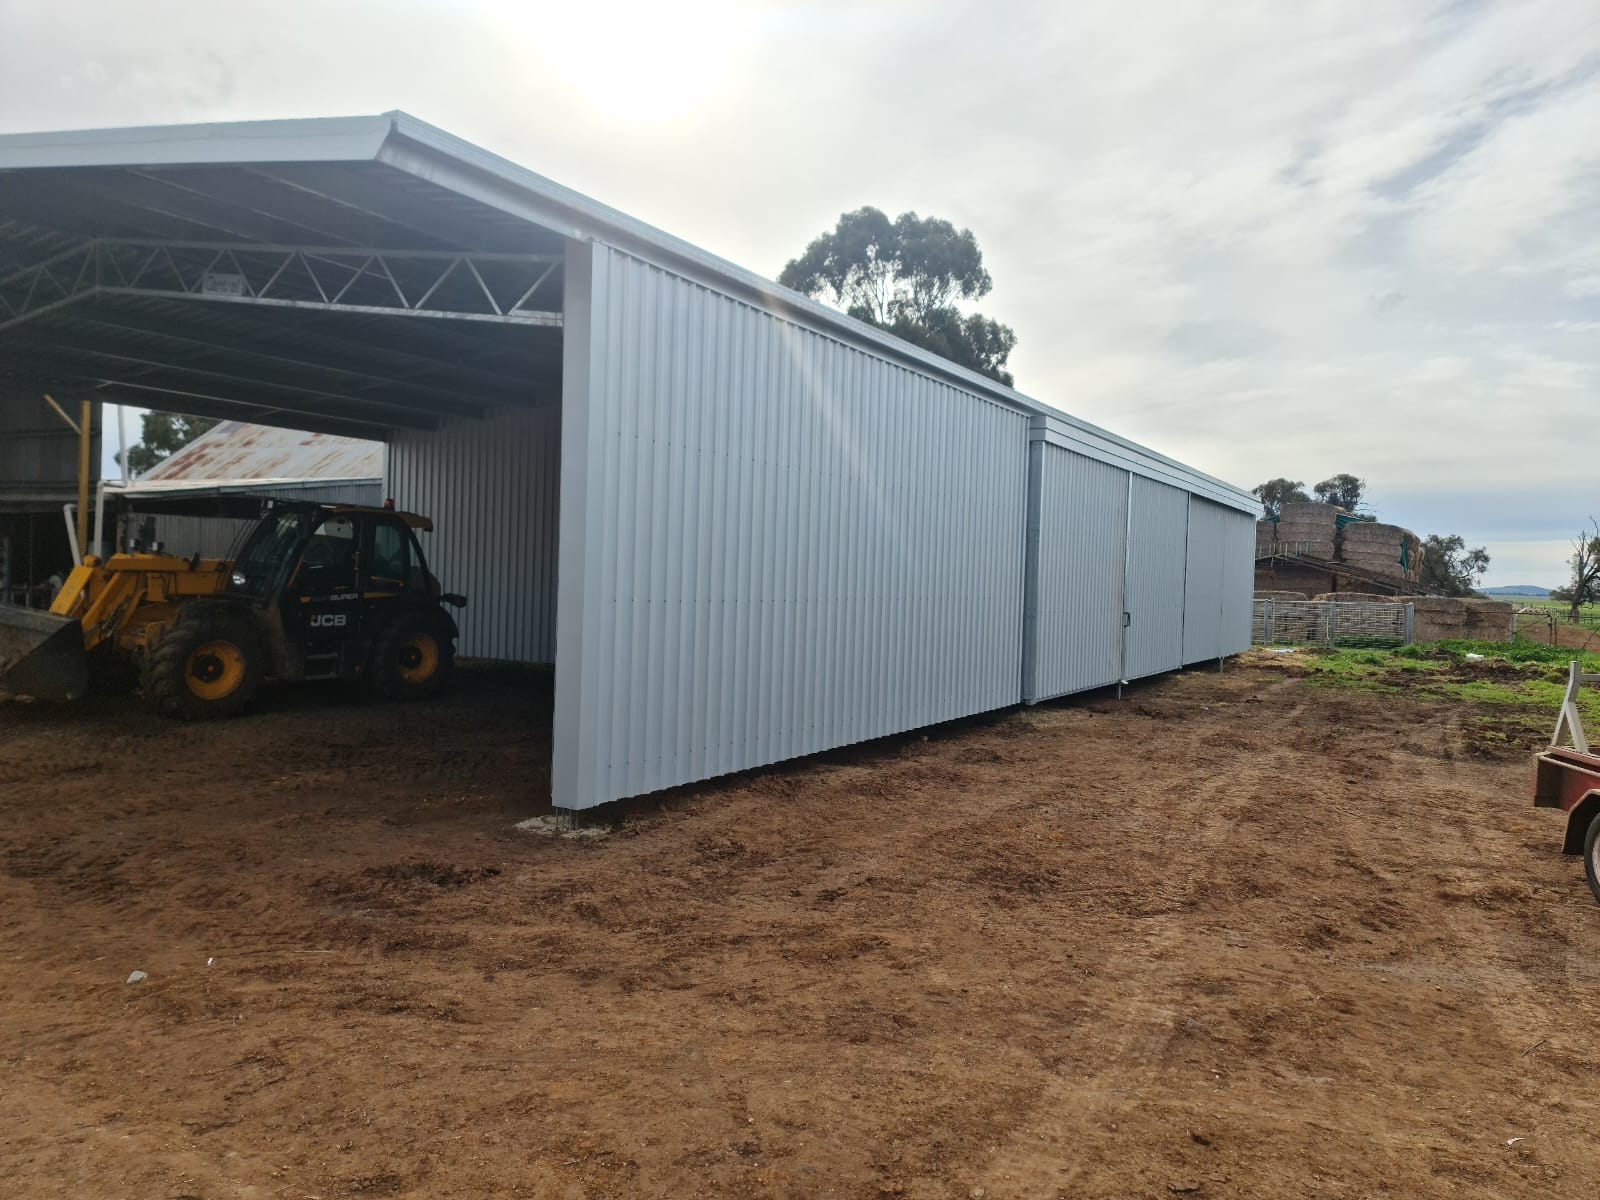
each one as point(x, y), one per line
point(316, 591)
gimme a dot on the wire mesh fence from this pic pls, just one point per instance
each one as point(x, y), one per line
point(1331, 623)
point(1587, 617)
point(1550, 628)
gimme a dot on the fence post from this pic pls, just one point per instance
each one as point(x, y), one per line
point(1269, 623)
point(1333, 623)
point(1410, 624)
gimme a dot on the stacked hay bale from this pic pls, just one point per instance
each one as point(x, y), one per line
point(1281, 594)
point(1440, 617)
point(1376, 554)
point(1266, 538)
point(1292, 577)
point(1299, 622)
point(1310, 529)
point(1383, 550)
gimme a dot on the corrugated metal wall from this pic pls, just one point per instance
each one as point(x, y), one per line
point(782, 543)
point(39, 454)
point(1220, 581)
point(1158, 527)
point(1203, 580)
point(1075, 603)
point(1238, 581)
point(1179, 565)
point(214, 537)
point(491, 487)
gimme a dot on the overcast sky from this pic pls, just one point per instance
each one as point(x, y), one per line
point(1265, 238)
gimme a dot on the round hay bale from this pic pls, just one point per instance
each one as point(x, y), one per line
point(1372, 531)
point(1311, 509)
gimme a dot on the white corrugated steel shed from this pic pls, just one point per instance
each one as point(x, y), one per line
point(744, 525)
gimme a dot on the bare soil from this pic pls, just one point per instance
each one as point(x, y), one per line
point(1572, 637)
point(1232, 936)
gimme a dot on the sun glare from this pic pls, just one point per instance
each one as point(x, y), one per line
point(637, 60)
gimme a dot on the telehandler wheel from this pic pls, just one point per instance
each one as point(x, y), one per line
point(207, 665)
point(1591, 856)
point(414, 657)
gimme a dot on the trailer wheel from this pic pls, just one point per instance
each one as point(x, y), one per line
point(206, 666)
point(1591, 856)
point(414, 658)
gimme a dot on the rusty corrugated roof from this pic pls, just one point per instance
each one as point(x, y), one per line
point(234, 452)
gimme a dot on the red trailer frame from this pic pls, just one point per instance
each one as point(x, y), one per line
point(1568, 778)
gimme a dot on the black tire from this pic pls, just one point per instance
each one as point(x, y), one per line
point(1591, 856)
point(208, 664)
point(414, 657)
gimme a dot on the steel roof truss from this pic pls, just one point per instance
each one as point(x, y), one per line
point(332, 278)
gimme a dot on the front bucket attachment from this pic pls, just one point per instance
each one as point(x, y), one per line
point(41, 654)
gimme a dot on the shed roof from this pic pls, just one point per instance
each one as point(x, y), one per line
point(388, 181)
point(232, 453)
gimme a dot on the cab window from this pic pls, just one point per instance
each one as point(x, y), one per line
point(329, 560)
point(268, 555)
point(393, 567)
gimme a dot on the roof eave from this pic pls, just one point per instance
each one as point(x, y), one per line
point(314, 139)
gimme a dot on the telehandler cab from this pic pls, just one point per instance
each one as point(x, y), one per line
point(315, 591)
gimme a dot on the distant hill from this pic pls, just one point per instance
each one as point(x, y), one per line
point(1520, 589)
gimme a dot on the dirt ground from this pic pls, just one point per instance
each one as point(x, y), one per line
point(1235, 935)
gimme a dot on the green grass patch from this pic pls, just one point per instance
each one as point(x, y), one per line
point(1366, 662)
point(1364, 670)
point(1525, 693)
point(1516, 652)
point(1518, 685)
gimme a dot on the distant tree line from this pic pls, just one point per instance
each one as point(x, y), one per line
point(1345, 490)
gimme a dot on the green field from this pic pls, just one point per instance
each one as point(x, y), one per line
point(1588, 615)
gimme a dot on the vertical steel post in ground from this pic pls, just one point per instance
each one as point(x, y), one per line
point(84, 410)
